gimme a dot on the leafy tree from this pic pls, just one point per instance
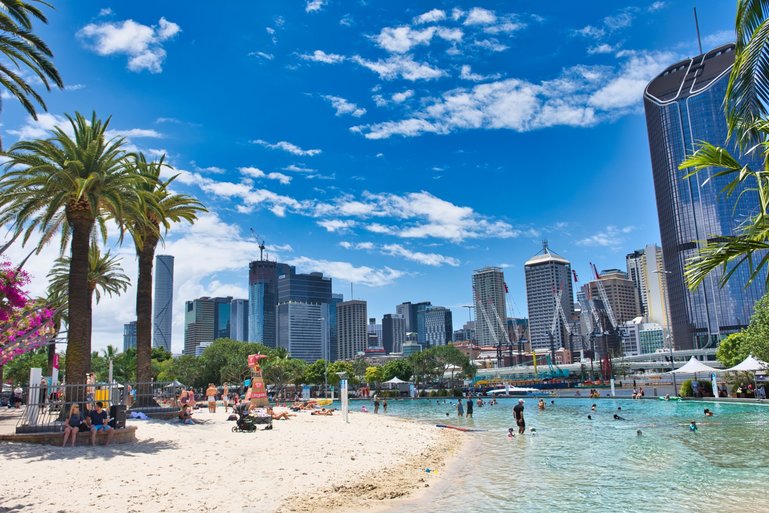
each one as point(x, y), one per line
point(24, 49)
point(359, 366)
point(424, 366)
point(17, 370)
point(400, 368)
point(733, 349)
point(757, 333)
point(341, 366)
point(160, 354)
point(188, 369)
point(153, 212)
point(227, 360)
point(374, 375)
point(69, 184)
point(283, 371)
point(315, 372)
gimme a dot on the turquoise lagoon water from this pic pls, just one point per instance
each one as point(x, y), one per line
point(573, 464)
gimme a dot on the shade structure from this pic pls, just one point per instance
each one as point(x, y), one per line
point(395, 381)
point(174, 384)
point(749, 364)
point(693, 366)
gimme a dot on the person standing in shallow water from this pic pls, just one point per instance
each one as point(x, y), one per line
point(469, 407)
point(518, 414)
point(460, 408)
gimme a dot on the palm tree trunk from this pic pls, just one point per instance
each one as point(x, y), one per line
point(79, 332)
point(144, 321)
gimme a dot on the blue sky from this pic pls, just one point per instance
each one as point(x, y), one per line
point(396, 145)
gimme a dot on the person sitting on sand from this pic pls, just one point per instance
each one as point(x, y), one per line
point(72, 425)
point(322, 411)
point(185, 416)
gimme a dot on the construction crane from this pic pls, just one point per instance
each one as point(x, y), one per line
point(558, 312)
point(613, 327)
point(261, 244)
point(485, 316)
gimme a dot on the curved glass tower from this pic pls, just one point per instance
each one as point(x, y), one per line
point(164, 302)
point(684, 105)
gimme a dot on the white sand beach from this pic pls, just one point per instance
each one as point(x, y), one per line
point(307, 464)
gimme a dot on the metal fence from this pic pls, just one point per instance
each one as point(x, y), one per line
point(46, 408)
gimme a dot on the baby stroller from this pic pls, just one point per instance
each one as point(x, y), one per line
point(247, 423)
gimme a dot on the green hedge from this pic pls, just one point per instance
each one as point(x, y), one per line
point(706, 387)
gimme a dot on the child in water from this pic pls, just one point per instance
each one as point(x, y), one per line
point(693, 427)
point(510, 434)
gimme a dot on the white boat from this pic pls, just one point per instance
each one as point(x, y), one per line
point(514, 391)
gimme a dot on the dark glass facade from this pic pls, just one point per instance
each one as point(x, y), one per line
point(263, 300)
point(684, 105)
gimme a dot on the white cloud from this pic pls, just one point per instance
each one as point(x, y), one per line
point(41, 128)
point(336, 225)
point(255, 172)
point(299, 169)
point(618, 21)
point(601, 48)
point(343, 106)
point(591, 31)
point(719, 38)
point(431, 259)
point(314, 5)
point(580, 96)
point(402, 96)
point(105, 12)
point(480, 16)
point(287, 146)
point(135, 133)
point(346, 271)
point(612, 236)
point(404, 38)
point(466, 73)
point(430, 16)
point(347, 20)
point(400, 66)
point(656, 6)
point(490, 44)
point(263, 55)
point(143, 44)
point(321, 56)
point(74, 87)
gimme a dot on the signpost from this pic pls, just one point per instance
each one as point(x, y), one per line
point(345, 404)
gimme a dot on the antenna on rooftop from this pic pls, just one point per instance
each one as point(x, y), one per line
point(544, 245)
point(697, 26)
point(261, 244)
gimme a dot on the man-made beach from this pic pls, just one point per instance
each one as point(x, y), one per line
point(305, 464)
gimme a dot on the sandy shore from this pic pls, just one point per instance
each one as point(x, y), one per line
point(307, 464)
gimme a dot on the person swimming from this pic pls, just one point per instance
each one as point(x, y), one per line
point(617, 417)
point(589, 417)
point(708, 413)
point(592, 408)
point(639, 433)
point(510, 433)
point(693, 427)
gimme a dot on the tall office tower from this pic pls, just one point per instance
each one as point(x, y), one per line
point(351, 328)
point(409, 311)
point(393, 333)
point(222, 317)
point(647, 270)
point(374, 333)
point(620, 291)
point(129, 335)
point(164, 302)
point(546, 273)
point(263, 300)
point(239, 320)
point(466, 333)
point(490, 312)
point(199, 325)
point(438, 326)
point(303, 315)
point(684, 105)
point(333, 332)
point(421, 327)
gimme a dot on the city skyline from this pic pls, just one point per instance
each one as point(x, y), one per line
point(394, 146)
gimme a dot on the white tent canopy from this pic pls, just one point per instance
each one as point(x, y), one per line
point(749, 364)
point(395, 381)
point(694, 366)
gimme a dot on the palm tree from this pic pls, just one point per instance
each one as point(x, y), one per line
point(745, 104)
point(25, 50)
point(69, 184)
point(153, 213)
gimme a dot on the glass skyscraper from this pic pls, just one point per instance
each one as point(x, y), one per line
point(303, 315)
point(163, 302)
point(684, 105)
point(263, 300)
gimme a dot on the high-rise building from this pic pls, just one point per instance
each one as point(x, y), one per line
point(332, 326)
point(205, 320)
point(393, 333)
point(620, 291)
point(438, 326)
point(546, 273)
point(374, 333)
point(647, 270)
point(303, 314)
point(163, 302)
point(239, 320)
point(410, 312)
point(199, 325)
point(351, 328)
point(263, 300)
point(129, 335)
point(684, 105)
point(490, 312)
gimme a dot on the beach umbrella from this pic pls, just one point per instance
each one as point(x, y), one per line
point(174, 384)
point(750, 364)
point(395, 381)
point(693, 366)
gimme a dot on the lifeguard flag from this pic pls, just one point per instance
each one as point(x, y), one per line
point(506, 289)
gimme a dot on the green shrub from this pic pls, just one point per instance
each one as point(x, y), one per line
point(706, 387)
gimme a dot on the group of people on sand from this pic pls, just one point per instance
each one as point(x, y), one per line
point(93, 420)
